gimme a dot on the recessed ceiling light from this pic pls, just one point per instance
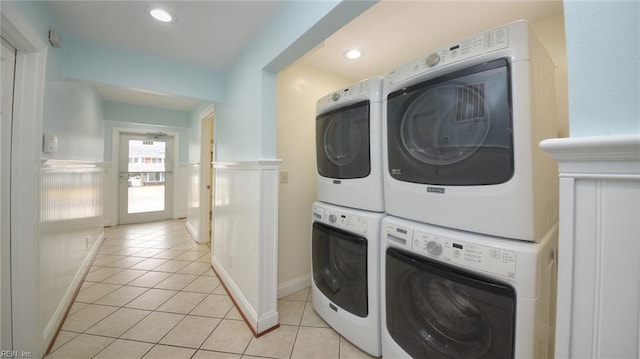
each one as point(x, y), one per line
point(162, 15)
point(353, 54)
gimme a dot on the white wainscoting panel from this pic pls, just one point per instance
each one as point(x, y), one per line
point(599, 249)
point(245, 251)
point(181, 197)
point(193, 200)
point(71, 215)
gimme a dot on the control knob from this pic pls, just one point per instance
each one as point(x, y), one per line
point(333, 218)
point(434, 248)
point(335, 96)
point(432, 60)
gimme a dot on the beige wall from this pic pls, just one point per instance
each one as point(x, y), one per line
point(299, 87)
point(552, 35)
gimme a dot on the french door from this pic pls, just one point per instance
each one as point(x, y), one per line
point(145, 178)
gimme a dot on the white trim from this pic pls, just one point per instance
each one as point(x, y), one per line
point(210, 110)
point(115, 168)
point(31, 63)
point(192, 231)
point(249, 165)
point(596, 157)
point(294, 285)
point(203, 223)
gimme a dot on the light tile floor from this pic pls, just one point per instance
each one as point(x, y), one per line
point(151, 293)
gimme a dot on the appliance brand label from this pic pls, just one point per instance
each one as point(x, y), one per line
point(435, 190)
point(337, 181)
point(396, 171)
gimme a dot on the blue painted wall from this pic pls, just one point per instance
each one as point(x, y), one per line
point(246, 121)
point(73, 112)
point(40, 19)
point(603, 64)
point(86, 60)
point(122, 115)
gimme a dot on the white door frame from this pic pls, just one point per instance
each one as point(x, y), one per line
point(203, 223)
point(169, 183)
point(115, 166)
point(31, 64)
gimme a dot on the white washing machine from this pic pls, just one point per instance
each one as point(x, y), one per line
point(461, 128)
point(345, 258)
point(453, 294)
point(349, 146)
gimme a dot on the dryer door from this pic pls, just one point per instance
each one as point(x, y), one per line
point(339, 261)
point(342, 142)
point(453, 130)
point(434, 311)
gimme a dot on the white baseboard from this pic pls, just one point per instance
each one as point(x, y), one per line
point(192, 230)
point(59, 315)
point(294, 285)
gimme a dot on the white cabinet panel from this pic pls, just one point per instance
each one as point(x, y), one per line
point(599, 249)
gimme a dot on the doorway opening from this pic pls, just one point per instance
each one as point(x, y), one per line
point(145, 176)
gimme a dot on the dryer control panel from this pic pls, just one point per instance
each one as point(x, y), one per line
point(369, 89)
point(492, 260)
point(489, 41)
point(338, 219)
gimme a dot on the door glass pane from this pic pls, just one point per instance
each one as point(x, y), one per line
point(146, 180)
point(340, 268)
point(342, 142)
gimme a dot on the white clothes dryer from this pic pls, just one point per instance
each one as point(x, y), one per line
point(453, 294)
point(461, 128)
point(345, 258)
point(349, 146)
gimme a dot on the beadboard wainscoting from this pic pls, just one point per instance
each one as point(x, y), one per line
point(598, 286)
point(181, 192)
point(245, 250)
point(193, 200)
point(71, 216)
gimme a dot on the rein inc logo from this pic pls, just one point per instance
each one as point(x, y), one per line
point(15, 354)
point(439, 190)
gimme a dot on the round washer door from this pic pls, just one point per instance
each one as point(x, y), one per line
point(437, 311)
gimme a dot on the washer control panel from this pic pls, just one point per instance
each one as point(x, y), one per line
point(492, 260)
point(357, 90)
point(348, 222)
point(489, 41)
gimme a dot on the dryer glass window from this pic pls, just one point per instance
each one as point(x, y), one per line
point(340, 268)
point(435, 311)
point(453, 130)
point(342, 142)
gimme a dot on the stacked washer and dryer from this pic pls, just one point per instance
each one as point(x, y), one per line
point(441, 243)
point(345, 254)
point(469, 247)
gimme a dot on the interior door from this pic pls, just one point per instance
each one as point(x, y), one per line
point(145, 179)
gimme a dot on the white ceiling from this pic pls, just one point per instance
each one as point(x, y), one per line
point(389, 33)
point(207, 33)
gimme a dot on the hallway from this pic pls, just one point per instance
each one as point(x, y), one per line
point(151, 293)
